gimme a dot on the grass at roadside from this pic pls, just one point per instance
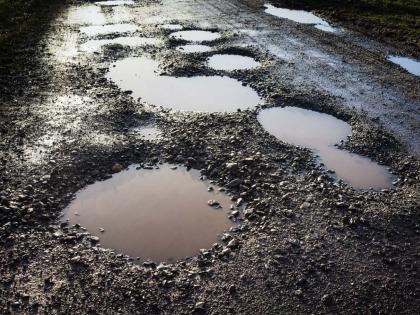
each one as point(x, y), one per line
point(397, 22)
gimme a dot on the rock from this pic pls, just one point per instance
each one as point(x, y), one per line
point(232, 167)
point(234, 183)
point(233, 243)
point(94, 239)
point(200, 306)
point(249, 213)
point(116, 168)
point(213, 203)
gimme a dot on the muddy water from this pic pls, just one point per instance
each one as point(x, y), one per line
point(201, 93)
point(194, 48)
point(196, 36)
point(409, 64)
point(108, 29)
point(319, 132)
point(232, 62)
point(135, 41)
point(161, 214)
point(299, 16)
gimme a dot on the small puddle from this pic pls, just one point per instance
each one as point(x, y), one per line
point(172, 27)
point(319, 132)
point(94, 45)
point(409, 64)
point(299, 16)
point(89, 14)
point(140, 75)
point(160, 214)
point(108, 29)
point(115, 2)
point(232, 62)
point(150, 133)
point(189, 49)
point(196, 36)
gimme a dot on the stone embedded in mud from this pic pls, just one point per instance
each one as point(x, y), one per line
point(116, 168)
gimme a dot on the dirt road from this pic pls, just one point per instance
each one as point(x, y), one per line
point(310, 244)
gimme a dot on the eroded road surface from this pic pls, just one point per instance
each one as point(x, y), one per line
point(123, 83)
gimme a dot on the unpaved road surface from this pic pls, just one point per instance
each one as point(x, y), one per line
point(310, 244)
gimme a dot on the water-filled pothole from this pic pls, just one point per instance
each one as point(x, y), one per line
point(409, 64)
point(172, 27)
point(115, 2)
point(196, 36)
point(148, 132)
point(159, 214)
point(135, 41)
point(191, 48)
point(201, 93)
point(108, 29)
point(299, 16)
point(319, 132)
point(232, 62)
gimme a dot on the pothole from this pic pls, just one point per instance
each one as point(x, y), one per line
point(196, 36)
point(172, 27)
point(201, 93)
point(409, 64)
point(232, 62)
point(89, 14)
point(159, 214)
point(191, 48)
point(319, 132)
point(135, 41)
point(149, 132)
point(108, 29)
point(115, 2)
point(300, 16)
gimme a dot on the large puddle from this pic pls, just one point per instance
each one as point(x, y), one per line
point(140, 75)
point(108, 29)
point(160, 214)
point(196, 36)
point(299, 16)
point(232, 62)
point(319, 132)
point(135, 41)
point(409, 64)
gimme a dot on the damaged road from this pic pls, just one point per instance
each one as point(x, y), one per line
point(304, 242)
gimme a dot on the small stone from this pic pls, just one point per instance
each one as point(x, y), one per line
point(102, 230)
point(234, 183)
point(200, 305)
point(233, 243)
point(213, 203)
point(116, 168)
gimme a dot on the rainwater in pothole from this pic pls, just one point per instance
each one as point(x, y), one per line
point(88, 14)
point(150, 132)
point(320, 132)
point(115, 2)
point(189, 49)
point(158, 214)
point(135, 41)
point(108, 29)
point(299, 16)
point(140, 75)
point(196, 36)
point(172, 27)
point(232, 62)
point(409, 64)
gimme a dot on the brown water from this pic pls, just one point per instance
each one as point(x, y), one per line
point(232, 62)
point(319, 132)
point(201, 93)
point(161, 214)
